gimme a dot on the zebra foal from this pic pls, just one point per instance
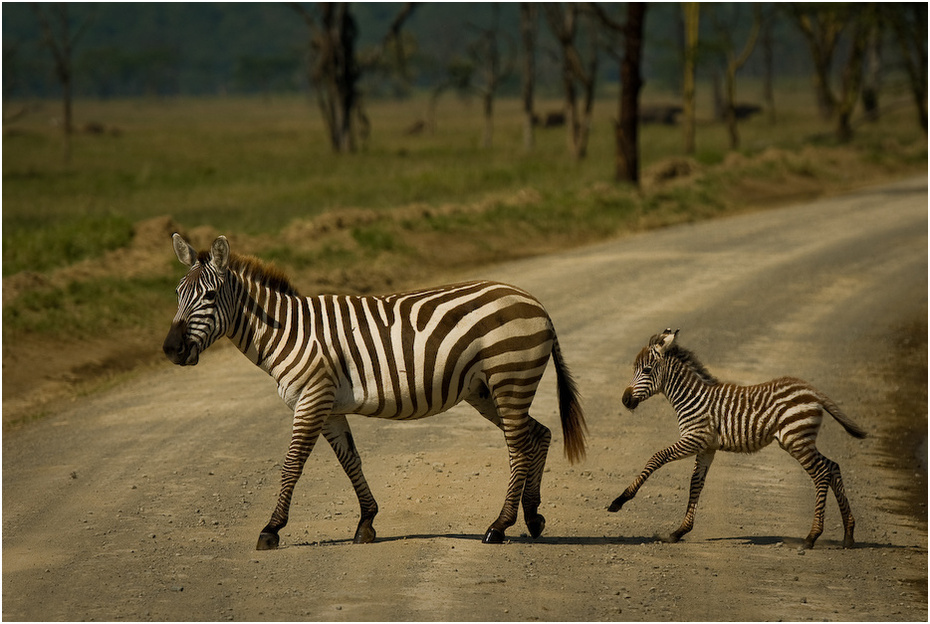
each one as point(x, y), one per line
point(403, 356)
point(716, 416)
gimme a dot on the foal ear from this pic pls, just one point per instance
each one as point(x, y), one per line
point(219, 253)
point(185, 253)
point(666, 339)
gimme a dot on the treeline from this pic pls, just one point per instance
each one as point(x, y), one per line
point(144, 49)
point(347, 52)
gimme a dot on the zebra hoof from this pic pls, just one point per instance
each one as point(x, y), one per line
point(617, 504)
point(536, 526)
point(493, 536)
point(364, 535)
point(267, 541)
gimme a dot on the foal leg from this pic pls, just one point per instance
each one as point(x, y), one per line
point(849, 523)
point(685, 447)
point(701, 465)
point(337, 433)
point(818, 467)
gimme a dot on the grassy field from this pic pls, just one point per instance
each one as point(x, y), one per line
point(82, 257)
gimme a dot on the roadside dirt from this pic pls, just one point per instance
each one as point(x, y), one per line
point(144, 501)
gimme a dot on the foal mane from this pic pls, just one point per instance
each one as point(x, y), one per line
point(687, 358)
point(254, 270)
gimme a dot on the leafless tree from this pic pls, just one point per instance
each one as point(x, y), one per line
point(528, 28)
point(909, 24)
point(334, 69)
point(60, 36)
point(732, 62)
point(486, 53)
point(627, 125)
point(691, 13)
point(822, 24)
point(564, 22)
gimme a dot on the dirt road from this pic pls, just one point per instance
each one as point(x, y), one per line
point(144, 502)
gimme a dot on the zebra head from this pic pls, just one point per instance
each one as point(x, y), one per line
point(648, 371)
point(200, 319)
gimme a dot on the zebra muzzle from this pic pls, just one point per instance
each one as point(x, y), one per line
point(177, 348)
point(628, 400)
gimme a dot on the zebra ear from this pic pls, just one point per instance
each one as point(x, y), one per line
point(186, 254)
point(666, 339)
point(219, 253)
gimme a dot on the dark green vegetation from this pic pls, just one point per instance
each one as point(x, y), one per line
point(87, 258)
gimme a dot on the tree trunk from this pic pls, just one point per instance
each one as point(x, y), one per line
point(852, 76)
point(768, 62)
point(691, 16)
point(528, 30)
point(627, 129)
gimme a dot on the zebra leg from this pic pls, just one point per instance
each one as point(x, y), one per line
point(701, 464)
point(817, 466)
point(685, 447)
point(516, 434)
point(337, 433)
point(540, 436)
point(849, 523)
point(309, 416)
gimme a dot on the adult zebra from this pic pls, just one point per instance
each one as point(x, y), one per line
point(716, 416)
point(402, 356)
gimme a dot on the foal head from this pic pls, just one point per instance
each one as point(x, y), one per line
point(648, 371)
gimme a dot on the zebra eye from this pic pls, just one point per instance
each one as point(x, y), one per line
point(647, 370)
point(210, 295)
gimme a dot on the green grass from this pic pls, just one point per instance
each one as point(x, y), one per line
point(253, 167)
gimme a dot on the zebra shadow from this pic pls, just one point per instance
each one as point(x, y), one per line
point(797, 543)
point(570, 540)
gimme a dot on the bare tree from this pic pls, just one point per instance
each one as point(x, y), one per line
point(485, 52)
point(691, 13)
point(528, 27)
point(863, 17)
point(334, 69)
point(564, 24)
point(627, 126)
point(60, 36)
point(909, 24)
point(821, 23)
point(768, 64)
point(733, 61)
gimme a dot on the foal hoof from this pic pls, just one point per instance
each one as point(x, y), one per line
point(536, 525)
point(267, 541)
point(617, 504)
point(493, 536)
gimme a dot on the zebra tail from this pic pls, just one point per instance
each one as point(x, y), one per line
point(852, 428)
point(570, 412)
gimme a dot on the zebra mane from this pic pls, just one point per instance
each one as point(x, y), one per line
point(254, 270)
point(690, 360)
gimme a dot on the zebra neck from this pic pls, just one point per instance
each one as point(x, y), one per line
point(683, 386)
point(257, 319)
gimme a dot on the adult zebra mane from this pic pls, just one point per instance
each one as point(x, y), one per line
point(261, 272)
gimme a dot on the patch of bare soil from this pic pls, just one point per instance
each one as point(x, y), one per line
point(39, 372)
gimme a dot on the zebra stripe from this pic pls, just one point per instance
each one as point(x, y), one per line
point(716, 416)
point(402, 356)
